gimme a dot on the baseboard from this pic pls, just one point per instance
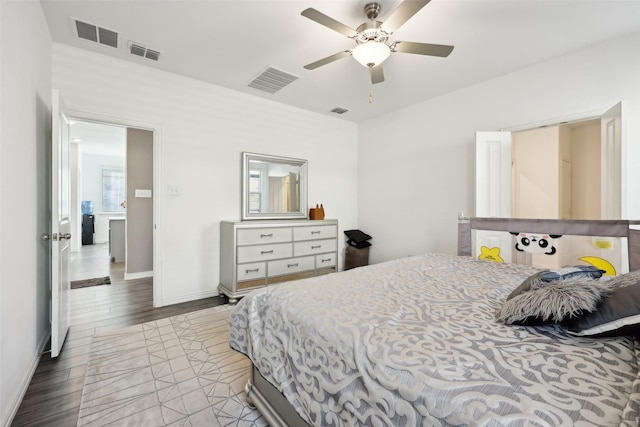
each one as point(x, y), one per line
point(140, 275)
point(190, 297)
point(17, 399)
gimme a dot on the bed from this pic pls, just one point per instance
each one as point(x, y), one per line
point(415, 341)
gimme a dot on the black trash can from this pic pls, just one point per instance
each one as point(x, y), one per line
point(356, 253)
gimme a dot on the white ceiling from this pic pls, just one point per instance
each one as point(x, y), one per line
point(98, 138)
point(230, 42)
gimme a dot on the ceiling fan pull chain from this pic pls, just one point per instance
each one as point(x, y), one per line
point(370, 86)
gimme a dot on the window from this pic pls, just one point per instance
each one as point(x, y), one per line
point(114, 190)
point(255, 195)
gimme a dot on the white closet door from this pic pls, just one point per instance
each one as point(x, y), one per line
point(493, 174)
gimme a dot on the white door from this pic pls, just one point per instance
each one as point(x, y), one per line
point(493, 189)
point(611, 143)
point(493, 174)
point(60, 226)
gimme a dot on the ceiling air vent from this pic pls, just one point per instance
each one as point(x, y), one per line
point(272, 80)
point(96, 34)
point(139, 50)
point(339, 110)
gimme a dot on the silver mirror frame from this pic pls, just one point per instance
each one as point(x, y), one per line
point(246, 215)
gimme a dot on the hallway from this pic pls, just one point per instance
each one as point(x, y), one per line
point(93, 261)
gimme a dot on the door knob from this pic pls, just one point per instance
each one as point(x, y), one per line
point(65, 236)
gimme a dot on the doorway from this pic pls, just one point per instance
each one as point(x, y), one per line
point(556, 171)
point(112, 173)
point(98, 177)
point(495, 184)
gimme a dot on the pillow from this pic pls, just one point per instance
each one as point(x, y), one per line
point(574, 271)
point(539, 279)
point(617, 314)
point(537, 301)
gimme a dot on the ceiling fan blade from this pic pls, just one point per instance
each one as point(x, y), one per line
point(406, 10)
point(328, 22)
point(327, 60)
point(377, 75)
point(422, 48)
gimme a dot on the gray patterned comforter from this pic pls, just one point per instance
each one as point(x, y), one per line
point(414, 342)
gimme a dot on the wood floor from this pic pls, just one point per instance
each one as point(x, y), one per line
point(53, 396)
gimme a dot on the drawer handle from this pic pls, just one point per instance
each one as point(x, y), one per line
point(316, 232)
point(266, 235)
point(255, 270)
point(325, 260)
point(266, 252)
point(316, 247)
point(293, 265)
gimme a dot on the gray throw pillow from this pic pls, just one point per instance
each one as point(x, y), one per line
point(553, 301)
point(540, 278)
point(617, 314)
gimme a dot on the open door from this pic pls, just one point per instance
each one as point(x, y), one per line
point(60, 236)
point(493, 174)
point(493, 188)
point(611, 145)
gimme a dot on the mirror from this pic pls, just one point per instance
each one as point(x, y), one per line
point(273, 187)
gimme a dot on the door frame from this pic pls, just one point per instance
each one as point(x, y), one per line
point(157, 184)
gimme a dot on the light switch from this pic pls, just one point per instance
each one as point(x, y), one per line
point(172, 190)
point(143, 193)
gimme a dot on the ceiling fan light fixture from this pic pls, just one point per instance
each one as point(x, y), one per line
point(371, 54)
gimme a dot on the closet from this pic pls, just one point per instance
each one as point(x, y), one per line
point(556, 172)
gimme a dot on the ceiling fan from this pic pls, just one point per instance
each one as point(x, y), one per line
point(371, 38)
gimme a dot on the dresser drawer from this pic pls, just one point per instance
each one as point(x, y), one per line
point(315, 247)
point(264, 252)
point(317, 232)
point(251, 271)
point(257, 236)
point(326, 260)
point(255, 254)
point(293, 265)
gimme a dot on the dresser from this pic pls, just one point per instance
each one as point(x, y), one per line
point(254, 254)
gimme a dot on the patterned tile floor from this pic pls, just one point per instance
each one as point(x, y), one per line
point(178, 371)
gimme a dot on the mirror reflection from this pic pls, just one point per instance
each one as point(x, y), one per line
point(273, 187)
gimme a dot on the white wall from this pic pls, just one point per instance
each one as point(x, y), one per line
point(416, 166)
point(203, 129)
point(25, 129)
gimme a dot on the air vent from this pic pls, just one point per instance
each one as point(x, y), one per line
point(143, 51)
point(272, 80)
point(339, 110)
point(93, 33)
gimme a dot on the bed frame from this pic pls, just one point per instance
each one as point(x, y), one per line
point(273, 406)
point(277, 410)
